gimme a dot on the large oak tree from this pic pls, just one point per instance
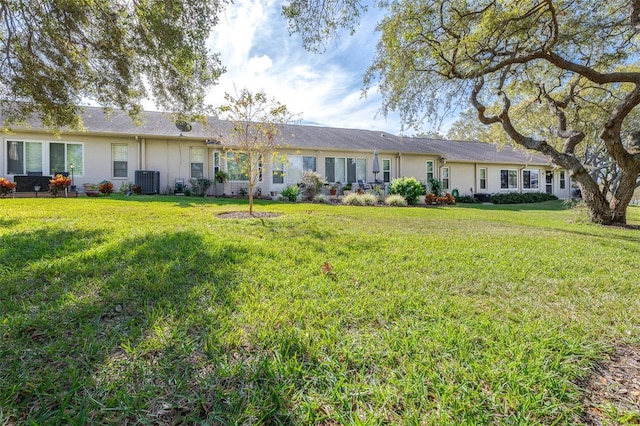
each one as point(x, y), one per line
point(507, 56)
point(58, 54)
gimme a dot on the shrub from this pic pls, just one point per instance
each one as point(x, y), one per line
point(466, 199)
point(409, 188)
point(321, 198)
point(517, 198)
point(312, 184)
point(353, 199)
point(58, 183)
point(106, 187)
point(290, 193)
point(445, 199)
point(6, 187)
point(396, 200)
point(435, 186)
point(199, 186)
point(369, 199)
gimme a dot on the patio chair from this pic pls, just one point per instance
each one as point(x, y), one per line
point(364, 186)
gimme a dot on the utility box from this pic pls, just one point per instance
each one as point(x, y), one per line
point(482, 198)
point(149, 181)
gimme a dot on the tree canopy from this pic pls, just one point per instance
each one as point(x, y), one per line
point(557, 60)
point(58, 54)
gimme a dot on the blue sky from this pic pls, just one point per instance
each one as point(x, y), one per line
point(325, 89)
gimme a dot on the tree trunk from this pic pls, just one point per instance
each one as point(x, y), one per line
point(622, 196)
point(251, 198)
point(597, 203)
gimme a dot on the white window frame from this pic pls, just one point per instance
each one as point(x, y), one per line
point(293, 168)
point(196, 158)
point(511, 174)
point(430, 168)
point(562, 179)
point(386, 170)
point(532, 183)
point(482, 184)
point(231, 164)
point(445, 178)
point(45, 157)
point(119, 154)
point(344, 162)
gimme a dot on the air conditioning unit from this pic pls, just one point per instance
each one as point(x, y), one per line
point(149, 181)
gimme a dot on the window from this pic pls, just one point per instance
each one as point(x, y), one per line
point(63, 154)
point(43, 157)
point(530, 179)
point(216, 162)
point(278, 172)
point(296, 165)
point(196, 160)
point(24, 157)
point(508, 179)
point(344, 170)
point(483, 178)
point(430, 169)
point(291, 170)
point(445, 178)
point(235, 166)
point(120, 156)
point(386, 170)
point(563, 180)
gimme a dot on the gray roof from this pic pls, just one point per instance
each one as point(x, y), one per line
point(160, 124)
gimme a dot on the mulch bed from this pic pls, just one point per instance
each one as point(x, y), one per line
point(614, 386)
point(246, 215)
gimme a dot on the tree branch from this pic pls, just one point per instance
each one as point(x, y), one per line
point(572, 137)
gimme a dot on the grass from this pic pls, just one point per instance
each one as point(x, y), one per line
point(151, 310)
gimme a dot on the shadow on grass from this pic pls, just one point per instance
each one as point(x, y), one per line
point(544, 206)
point(118, 334)
point(17, 250)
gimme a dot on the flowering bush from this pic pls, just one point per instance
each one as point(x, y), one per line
point(6, 187)
point(408, 187)
point(312, 184)
point(106, 187)
point(58, 183)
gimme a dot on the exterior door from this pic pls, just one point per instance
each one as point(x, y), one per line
point(549, 179)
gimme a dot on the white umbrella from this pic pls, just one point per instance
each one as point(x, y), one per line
point(376, 164)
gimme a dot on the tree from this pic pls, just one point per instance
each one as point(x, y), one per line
point(55, 55)
point(256, 126)
point(552, 58)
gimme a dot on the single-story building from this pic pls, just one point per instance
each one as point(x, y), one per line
point(157, 154)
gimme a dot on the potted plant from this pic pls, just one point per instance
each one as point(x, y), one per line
point(221, 176)
point(333, 190)
point(91, 189)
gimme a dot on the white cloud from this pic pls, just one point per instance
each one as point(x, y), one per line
point(259, 54)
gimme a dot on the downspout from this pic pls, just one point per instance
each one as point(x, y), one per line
point(139, 160)
point(521, 178)
point(399, 161)
point(143, 156)
point(474, 189)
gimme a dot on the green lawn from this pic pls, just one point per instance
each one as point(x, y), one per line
point(152, 310)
